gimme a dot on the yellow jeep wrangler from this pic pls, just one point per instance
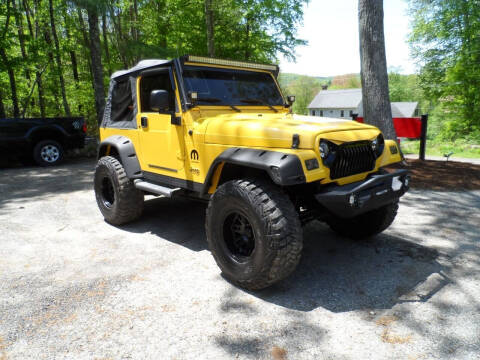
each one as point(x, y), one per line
point(222, 132)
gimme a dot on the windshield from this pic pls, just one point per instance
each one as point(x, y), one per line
point(231, 87)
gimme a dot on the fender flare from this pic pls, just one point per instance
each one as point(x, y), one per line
point(126, 152)
point(284, 169)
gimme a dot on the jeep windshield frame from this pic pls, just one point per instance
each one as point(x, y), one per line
point(217, 86)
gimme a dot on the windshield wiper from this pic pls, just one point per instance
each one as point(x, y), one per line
point(258, 101)
point(217, 100)
point(210, 100)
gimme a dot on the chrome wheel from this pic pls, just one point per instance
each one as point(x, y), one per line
point(50, 153)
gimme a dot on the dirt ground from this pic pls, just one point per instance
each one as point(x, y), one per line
point(443, 175)
point(75, 287)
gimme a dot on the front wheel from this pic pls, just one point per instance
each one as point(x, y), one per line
point(117, 198)
point(365, 225)
point(254, 233)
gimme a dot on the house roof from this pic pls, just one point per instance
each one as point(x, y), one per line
point(399, 109)
point(337, 99)
point(403, 109)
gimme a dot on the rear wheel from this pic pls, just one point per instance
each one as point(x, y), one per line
point(253, 232)
point(48, 153)
point(118, 199)
point(365, 225)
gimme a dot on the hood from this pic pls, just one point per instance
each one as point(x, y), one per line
point(276, 130)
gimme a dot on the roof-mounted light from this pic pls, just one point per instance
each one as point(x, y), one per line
point(242, 64)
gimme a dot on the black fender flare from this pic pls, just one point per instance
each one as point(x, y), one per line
point(284, 169)
point(126, 151)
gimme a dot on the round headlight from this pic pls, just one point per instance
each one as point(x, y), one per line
point(324, 150)
point(377, 145)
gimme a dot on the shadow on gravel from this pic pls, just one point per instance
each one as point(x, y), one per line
point(17, 184)
point(179, 221)
point(343, 275)
point(335, 273)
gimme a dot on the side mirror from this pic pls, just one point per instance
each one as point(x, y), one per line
point(193, 95)
point(159, 100)
point(290, 99)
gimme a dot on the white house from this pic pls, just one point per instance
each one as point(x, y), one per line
point(345, 103)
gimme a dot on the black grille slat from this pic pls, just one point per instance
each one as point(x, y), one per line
point(351, 159)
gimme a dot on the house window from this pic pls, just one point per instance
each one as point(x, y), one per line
point(351, 113)
point(321, 112)
point(342, 113)
point(416, 112)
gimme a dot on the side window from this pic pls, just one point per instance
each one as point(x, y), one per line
point(159, 81)
point(122, 103)
point(342, 113)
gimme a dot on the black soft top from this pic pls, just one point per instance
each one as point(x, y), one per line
point(142, 65)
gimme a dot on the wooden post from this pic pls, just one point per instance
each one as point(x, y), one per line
point(423, 137)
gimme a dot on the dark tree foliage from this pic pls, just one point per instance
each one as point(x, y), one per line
point(56, 55)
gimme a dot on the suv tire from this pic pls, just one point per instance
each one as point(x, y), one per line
point(48, 153)
point(365, 225)
point(118, 199)
point(253, 232)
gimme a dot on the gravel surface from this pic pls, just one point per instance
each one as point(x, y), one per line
point(74, 287)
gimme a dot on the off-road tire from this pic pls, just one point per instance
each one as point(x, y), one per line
point(122, 202)
point(40, 153)
point(365, 225)
point(278, 236)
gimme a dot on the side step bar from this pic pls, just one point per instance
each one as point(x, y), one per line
point(154, 188)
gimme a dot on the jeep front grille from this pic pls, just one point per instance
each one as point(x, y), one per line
point(352, 158)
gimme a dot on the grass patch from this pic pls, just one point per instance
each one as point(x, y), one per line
point(436, 148)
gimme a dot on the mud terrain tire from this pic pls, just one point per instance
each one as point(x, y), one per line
point(118, 199)
point(254, 233)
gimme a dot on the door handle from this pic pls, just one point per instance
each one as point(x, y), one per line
point(144, 121)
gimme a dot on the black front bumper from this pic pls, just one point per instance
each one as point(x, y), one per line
point(357, 198)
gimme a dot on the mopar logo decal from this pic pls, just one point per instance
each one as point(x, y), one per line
point(194, 155)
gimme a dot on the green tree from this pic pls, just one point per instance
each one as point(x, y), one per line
point(445, 40)
point(304, 88)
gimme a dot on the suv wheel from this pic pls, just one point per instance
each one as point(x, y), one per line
point(253, 232)
point(365, 225)
point(118, 199)
point(48, 153)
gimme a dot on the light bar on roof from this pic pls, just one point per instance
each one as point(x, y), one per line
point(207, 60)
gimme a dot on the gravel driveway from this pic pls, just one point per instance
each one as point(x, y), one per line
point(74, 287)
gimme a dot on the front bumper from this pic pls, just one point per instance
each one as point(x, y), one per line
point(350, 200)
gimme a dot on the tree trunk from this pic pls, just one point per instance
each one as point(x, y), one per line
point(48, 40)
point(376, 101)
point(247, 41)
point(13, 83)
point(38, 74)
point(86, 42)
point(96, 58)
point(73, 55)
point(2, 107)
point(66, 108)
point(19, 23)
point(210, 28)
point(105, 42)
